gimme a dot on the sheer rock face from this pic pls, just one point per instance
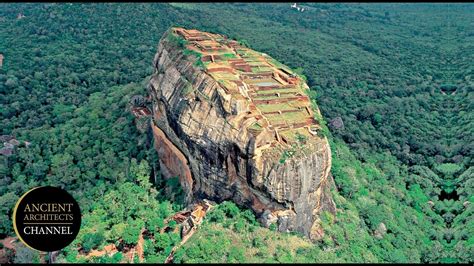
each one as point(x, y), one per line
point(201, 135)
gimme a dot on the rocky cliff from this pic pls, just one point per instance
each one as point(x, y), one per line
point(234, 124)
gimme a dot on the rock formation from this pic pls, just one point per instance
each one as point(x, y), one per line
point(234, 124)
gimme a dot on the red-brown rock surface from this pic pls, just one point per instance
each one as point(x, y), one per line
point(237, 125)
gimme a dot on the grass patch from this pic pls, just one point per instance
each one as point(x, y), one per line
point(280, 90)
point(228, 56)
point(300, 135)
point(288, 117)
point(256, 69)
point(198, 55)
point(275, 107)
point(177, 40)
point(256, 126)
point(286, 154)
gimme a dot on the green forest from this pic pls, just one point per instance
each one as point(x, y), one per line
point(398, 76)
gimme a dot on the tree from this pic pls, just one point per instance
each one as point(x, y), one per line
point(92, 241)
point(25, 254)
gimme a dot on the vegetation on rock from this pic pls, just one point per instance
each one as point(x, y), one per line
point(398, 75)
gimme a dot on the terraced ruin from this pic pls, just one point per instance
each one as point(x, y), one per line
point(270, 98)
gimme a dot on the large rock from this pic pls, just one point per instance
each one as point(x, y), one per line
point(337, 123)
point(217, 130)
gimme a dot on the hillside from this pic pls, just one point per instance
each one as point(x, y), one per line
point(393, 82)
